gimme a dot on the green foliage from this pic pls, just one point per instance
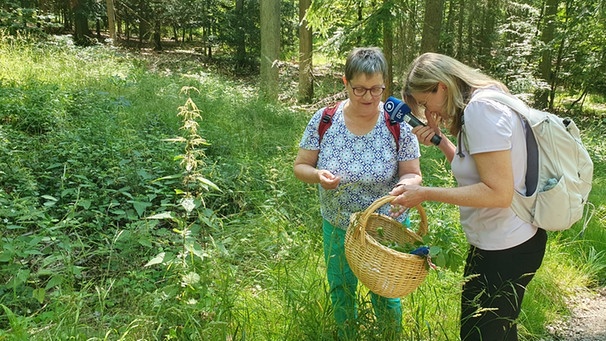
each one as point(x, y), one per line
point(344, 25)
point(581, 47)
point(98, 240)
point(17, 18)
point(515, 65)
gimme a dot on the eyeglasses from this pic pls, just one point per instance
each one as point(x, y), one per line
point(374, 91)
point(423, 106)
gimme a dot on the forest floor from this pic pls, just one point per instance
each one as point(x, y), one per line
point(587, 321)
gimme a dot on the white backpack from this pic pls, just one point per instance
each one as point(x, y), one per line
point(559, 169)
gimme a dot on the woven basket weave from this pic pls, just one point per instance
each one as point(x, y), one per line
point(381, 269)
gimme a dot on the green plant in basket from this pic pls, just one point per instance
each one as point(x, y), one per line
point(425, 247)
point(405, 247)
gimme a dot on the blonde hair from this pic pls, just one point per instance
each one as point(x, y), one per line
point(429, 69)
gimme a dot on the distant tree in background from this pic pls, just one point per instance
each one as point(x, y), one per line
point(306, 85)
point(270, 48)
point(111, 19)
point(545, 64)
point(432, 26)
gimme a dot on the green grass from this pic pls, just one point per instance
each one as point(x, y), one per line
point(81, 162)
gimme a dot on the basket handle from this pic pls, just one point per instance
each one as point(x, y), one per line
point(423, 226)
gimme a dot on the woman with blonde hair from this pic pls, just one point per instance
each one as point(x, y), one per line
point(489, 164)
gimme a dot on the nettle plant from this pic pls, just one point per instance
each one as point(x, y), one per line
point(188, 215)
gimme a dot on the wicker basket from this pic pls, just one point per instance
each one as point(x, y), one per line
point(381, 269)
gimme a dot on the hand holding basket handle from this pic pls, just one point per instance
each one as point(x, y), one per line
point(384, 271)
point(421, 231)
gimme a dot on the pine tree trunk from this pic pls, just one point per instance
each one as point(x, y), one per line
point(306, 85)
point(111, 19)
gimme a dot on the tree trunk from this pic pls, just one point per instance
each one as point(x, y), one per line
point(488, 34)
point(388, 51)
point(553, 84)
point(270, 48)
point(80, 23)
point(459, 40)
point(449, 29)
point(157, 36)
point(111, 19)
point(547, 35)
point(144, 29)
point(306, 85)
point(470, 50)
point(409, 29)
point(240, 37)
point(432, 25)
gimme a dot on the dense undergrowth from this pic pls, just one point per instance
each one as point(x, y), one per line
point(113, 230)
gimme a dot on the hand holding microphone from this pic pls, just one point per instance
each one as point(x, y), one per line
point(400, 112)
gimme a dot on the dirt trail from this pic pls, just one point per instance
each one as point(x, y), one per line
point(587, 322)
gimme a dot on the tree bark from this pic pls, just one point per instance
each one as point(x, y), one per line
point(80, 23)
point(111, 20)
point(547, 36)
point(306, 85)
point(432, 25)
point(388, 52)
point(240, 38)
point(270, 48)
point(157, 36)
point(459, 40)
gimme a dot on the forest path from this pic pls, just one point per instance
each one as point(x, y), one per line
point(587, 321)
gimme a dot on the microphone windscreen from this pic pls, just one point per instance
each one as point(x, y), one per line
point(396, 109)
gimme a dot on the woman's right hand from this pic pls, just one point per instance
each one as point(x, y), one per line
point(328, 180)
point(425, 133)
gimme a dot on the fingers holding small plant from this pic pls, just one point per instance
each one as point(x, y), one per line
point(328, 180)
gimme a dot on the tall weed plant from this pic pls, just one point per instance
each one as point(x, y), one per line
point(233, 250)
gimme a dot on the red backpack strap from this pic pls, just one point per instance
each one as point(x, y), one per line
point(394, 129)
point(326, 119)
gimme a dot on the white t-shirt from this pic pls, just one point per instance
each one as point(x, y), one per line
point(491, 126)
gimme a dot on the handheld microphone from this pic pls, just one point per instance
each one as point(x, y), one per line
point(400, 112)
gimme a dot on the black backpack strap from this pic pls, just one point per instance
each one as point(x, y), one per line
point(394, 129)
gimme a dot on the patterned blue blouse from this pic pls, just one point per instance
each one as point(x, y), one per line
point(367, 164)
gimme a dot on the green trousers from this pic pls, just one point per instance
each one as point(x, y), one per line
point(343, 283)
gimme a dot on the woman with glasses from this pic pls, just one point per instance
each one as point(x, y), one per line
point(489, 164)
point(355, 162)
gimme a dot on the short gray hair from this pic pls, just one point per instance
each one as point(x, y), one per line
point(366, 60)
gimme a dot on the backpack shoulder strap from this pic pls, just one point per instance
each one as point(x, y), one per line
point(532, 118)
point(326, 120)
point(512, 102)
point(394, 129)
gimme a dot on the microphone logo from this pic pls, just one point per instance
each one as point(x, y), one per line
point(396, 109)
